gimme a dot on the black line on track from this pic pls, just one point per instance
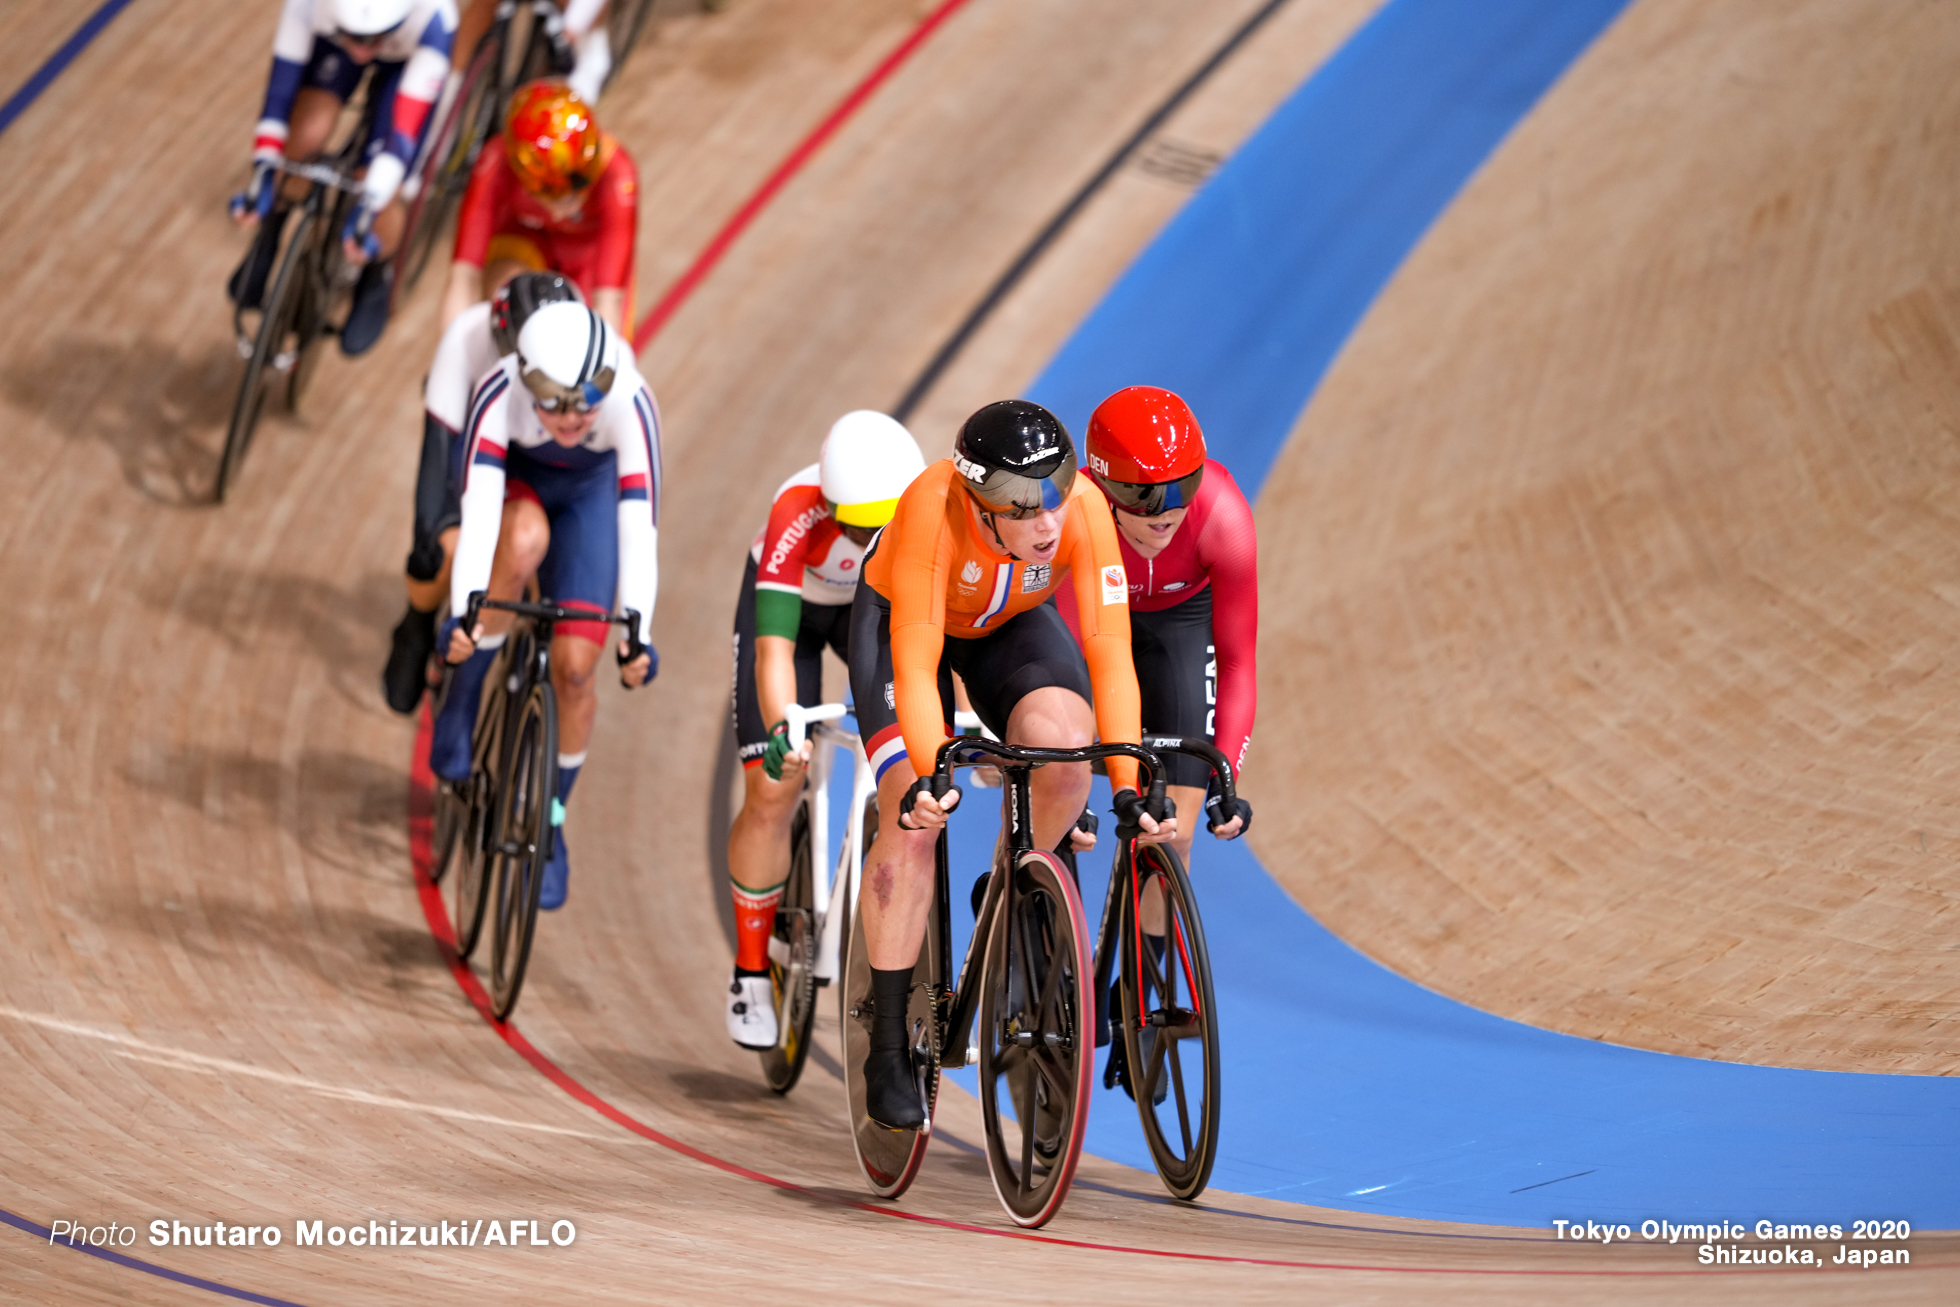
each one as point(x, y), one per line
point(1028, 257)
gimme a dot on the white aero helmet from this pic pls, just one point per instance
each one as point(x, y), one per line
point(568, 357)
point(868, 460)
point(370, 18)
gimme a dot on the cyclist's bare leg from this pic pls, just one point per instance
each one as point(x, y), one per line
point(758, 843)
point(575, 675)
point(314, 113)
point(522, 539)
point(897, 885)
point(427, 596)
point(1054, 718)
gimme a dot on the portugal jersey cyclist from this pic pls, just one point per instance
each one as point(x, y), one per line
point(552, 193)
point(562, 482)
point(796, 602)
point(960, 581)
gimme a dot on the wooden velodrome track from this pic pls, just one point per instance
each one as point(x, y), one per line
point(1690, 336)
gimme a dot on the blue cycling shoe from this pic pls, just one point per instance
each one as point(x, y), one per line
point(551, 891)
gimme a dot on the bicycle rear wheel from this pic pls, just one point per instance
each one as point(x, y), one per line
point(1170, 1031)
point(793, 962)
point(525, 831)
point(1037, 1041)
point(890, 1158)
point(269, 351)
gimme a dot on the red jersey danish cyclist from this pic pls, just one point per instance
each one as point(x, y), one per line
point(1192, 557)
point(960, 581)
point(319, 54)
point(553, 193)
point(796, 602)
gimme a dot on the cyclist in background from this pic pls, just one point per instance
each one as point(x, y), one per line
point(960, 581)
point(796, 602)
point(318, 56)
point(553, 193)
point(581, 45)
point(563, 482)
point(470, 347)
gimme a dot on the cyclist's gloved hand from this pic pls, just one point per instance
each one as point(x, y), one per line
point(939, 788)
point(1217, 817)
point(446, 637)
point(359, 231)
point(260, 191)
point(776, 750)
point(1131, 808)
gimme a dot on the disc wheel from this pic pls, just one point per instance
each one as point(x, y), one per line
point(793, 962)
point(270, 352)
point(1037, 1041)
point(1170, 1030)
point(889, 1158)
point(523, 843)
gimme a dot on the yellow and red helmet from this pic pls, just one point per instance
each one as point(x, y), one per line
point(551, 141)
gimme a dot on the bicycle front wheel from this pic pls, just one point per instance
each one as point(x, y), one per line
point(793, 962)
point(890, 1159)
point(270, 352)
point(1037, 1039)
point(525, 832)
point(473, 813)
point(1170, 1027)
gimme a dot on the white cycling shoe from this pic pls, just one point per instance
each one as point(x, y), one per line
point(752, 1012)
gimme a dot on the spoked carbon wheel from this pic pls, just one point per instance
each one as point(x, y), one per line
point(793, 963)
point(523, 843)
point(1037, 1039)
point(889, 1158)
point(271, 351)
point(444, 173)
point(1170, 1028)
point(327, 298)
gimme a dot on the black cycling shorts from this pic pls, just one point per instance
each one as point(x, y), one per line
point(822, 625)
point(1027, 652)
point(1177, 672)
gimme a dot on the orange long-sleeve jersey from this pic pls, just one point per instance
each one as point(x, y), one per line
point(937, 566)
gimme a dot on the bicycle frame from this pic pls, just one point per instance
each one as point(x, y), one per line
point(828, 740)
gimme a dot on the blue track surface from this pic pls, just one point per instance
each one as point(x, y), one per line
point(1345, 1084)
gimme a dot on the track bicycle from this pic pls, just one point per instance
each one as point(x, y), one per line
point(806, 943)
point(1028, 981)
point(307, 297)
point(1152, 937)
point(494, 830)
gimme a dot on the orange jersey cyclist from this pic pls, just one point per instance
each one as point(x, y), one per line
point(795, 603)
point(961, 582)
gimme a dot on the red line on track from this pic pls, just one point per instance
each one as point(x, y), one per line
point(705, 261)
point(420, 811)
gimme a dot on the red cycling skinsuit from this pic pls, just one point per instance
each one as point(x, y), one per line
point(594, 246)
point(1197, 675)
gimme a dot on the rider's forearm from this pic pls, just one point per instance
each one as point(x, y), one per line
point(610, 303)
point(476, 543)
point(639, 563)
point(775, 676)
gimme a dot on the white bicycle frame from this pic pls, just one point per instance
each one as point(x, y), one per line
point(828, 740)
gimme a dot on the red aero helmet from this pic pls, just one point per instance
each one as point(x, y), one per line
point(1146, 450)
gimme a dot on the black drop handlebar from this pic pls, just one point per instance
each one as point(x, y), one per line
point(553, 613)
point(961, 750)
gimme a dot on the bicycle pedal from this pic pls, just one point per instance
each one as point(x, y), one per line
point(779, 950)
point(284, 360)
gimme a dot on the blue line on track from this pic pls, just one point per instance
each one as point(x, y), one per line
point(1346, 1085)
point(58, 62)
point(136, 1264)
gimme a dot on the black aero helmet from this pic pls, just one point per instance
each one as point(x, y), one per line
point(1016, 458)
point(517, 299)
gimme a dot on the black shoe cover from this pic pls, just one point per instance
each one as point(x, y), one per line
point(369, 316)
point(891, 1090)
point(407, 673)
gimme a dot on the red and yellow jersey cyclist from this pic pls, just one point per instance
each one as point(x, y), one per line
point(796, 599)
point(553, 193)
point(961, 582)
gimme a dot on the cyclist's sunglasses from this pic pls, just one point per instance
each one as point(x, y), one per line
point(1015, 512)
point(1150, 500)
point(551, 397)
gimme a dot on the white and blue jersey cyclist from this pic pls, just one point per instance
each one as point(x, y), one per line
point(319, 54)
point(561, 481)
